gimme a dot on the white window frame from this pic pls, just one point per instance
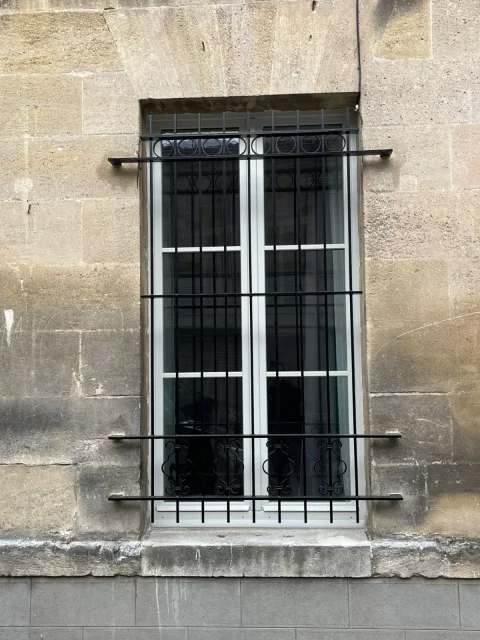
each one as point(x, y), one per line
point(266, 511)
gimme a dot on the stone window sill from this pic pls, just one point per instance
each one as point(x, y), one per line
point(258, 553)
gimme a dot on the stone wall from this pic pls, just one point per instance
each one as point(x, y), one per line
point(72, 74)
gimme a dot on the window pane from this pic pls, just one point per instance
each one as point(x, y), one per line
point(306, 326)
point(311, 188)
point(212, 466)
point(200, 205)
point(206, 330)
point(311, 406)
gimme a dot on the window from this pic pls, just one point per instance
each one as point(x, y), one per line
point(255, 319)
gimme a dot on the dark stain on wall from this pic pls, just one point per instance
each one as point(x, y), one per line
point(386, 9)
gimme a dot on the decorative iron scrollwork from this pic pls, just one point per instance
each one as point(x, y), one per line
point(228, 468)
point(279, 466)
point(177, 468)
point(330, 467)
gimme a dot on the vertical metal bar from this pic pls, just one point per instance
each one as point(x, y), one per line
point(275, 297)
point(297, 207)
point(176, 338)
point(250, 287)
point(327, 354)
point(152, 324)
point(200, 244)
point(352, 337)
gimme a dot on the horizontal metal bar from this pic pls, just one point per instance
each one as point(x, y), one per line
point(207, 436)
point(120, 497)
point(383, 153)
point(249, 295)
point(245, 134)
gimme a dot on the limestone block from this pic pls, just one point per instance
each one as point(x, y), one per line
point(403, 296)
point(439, 357)
point(15, 183)
point(464, 281)
point(67, 430)
point(466, 426)
point(56, 42)
point(402, 517)
point(16, 227)
point(40, 105)
point(424, 422)
point(455, 28)
point(404, 28)
point(44, 364)
point(37, 500)
point(96, 515)
point(418, 225)
point(63, 168)
point(236, 49)
point(57, 238)
point(109, 104)
point(466, 156)
point(111, 231)
point(111, 363)
point(417, 92)
point(420, 159)
point(48, 298)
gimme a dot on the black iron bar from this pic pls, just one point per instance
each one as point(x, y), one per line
point(176, 324)
point(383, 153)
point(251, 294)
point(216, 498)
point(202, 337)
point(338, 436)
point(217, 135)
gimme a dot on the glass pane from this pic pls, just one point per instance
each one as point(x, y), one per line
point(209, 466)
point(306, 327)
point(311, 188)
point(206, 331)
point(200, 203)
point(311, 406)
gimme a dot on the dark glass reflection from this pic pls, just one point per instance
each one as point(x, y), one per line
point(208, 466)
point(201, 201)
point(304, 197)
point(202, 334)
point(301, 329)
point(316, 466)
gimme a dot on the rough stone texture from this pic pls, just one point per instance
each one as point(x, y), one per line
point(455, 25)
point(405, 29)
point(267, 553)
point(14, 602)
point(111, 230)
point(57, 230)
point(109, 104)
point(56, 43)
point(44, 500)
point(466, 156)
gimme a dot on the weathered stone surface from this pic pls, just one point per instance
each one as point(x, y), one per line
point(78, 168)
point(455, 27)
point(15, 183)
point(111, 231)
point(40, 633)
point(424, 92)
point(48, 298)
point(57, 238)
point(466, 156)
point(16, 229)
point(45, 364)
point(67, 430)
point(56, 42)
point(466, 427)
point(405, 29)
point(418, 225)
point(40, 105)
point(464, 281)
point(39, 557)
point(425, 423)
point(111, 363)
point(96, 515)
point(403, 296)
point(420, 159)
point(398, 518)
point(231, 49)
point(109, 104)
point(44, 501)
point(135, 633)
point(417, 556)
point(14, 602)
point(83, 602)
point(268, 553)
point(428, 360)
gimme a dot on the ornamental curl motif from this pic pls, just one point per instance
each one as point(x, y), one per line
point(177, 468)
point(330, 459)
point(279, 466)
point(228, 457)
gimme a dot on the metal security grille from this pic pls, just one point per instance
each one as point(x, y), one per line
point(254, 319)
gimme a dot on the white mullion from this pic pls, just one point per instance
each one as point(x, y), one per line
point(307, 374)
point(197, 249)
point(304, 247)
point(206, 374)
